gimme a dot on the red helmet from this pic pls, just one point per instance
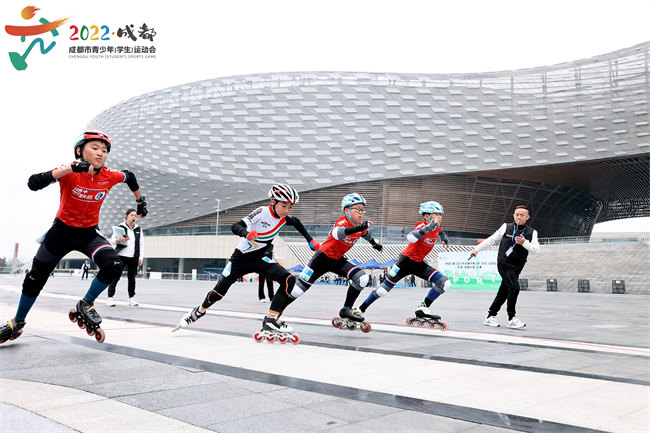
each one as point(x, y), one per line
point(284, 193)
point(88, 136)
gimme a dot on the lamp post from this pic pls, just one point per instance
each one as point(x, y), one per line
point(216, 229)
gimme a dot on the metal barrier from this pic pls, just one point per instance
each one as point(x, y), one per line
point(618, 286)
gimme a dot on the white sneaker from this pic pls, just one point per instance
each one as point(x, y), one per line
point(133, 302)
point(262, 301)
point(515, 323)
point(110, 302)
point(491, 321)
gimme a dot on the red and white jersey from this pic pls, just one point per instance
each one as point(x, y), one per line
point(82, 195)
point(336, 248)
point(267, 226)
point(417, 251)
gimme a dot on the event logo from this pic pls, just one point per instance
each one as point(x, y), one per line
point(19, 61)
point(93, 42)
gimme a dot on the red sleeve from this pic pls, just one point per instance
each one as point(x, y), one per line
point(115, 176)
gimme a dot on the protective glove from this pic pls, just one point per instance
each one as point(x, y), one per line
point(80, 166)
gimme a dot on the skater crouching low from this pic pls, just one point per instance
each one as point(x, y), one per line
point(347, 230)
point(421, 241)
point(84, 185)
point(258, 230)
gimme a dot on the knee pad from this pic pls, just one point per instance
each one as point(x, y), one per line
point(298, 290)
point(359, 280)
point(36, 278)
point(381, 292)
point(287, 284)
point(110, 270)
point(442, 284)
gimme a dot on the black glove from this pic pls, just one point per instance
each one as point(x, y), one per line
point(378, 247)
point(142, 208)
point(80, 166)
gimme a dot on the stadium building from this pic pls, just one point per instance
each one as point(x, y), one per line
point(570, 140)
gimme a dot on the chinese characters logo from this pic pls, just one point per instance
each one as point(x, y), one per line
point(19, 61)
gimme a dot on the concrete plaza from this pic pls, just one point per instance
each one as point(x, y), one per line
point(581, 364)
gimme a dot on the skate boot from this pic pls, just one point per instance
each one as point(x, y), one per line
point(87, 317)
point(275, 330)
point(350, 319)
point(11, 330)
point(189, 318)
point(350, 313)
point(426, 319)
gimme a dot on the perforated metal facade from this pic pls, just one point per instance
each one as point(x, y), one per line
point(570, 140)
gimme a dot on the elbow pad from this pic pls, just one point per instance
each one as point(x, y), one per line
point(131, 181)
point(239, 228)
point(40, 180)
point(414, 236)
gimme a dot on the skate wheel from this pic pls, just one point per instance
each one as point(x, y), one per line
point(295, 338)
point(270, 338)
point(100, 335)
point(2, 341)
point(89, 331)
point(337, 323)
point(15, 336)
point(283, 339)
point(258, 337)
point(72, 316)
point(81, 324)
point(409, 321)
point(443, 325)
point(365, 327)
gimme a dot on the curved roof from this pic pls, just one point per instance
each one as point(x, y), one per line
point(227, 139)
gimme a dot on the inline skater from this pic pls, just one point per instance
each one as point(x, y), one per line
point(411, 261)
point(258, 229)
point(347, 230)
point(84, 185)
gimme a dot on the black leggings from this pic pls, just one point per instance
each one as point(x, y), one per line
point(241, 264)
point(59, 241)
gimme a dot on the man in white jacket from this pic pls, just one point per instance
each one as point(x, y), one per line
point(129, 245)
point(515, 241)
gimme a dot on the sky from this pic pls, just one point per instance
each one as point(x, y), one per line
point(44, 107)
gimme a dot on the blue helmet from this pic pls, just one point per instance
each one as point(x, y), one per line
point(431, 207)
point(352, 199)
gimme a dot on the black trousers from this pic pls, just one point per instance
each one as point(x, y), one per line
point(131, 265)
point(508, 291)
point(84, 274)
point(269, 286)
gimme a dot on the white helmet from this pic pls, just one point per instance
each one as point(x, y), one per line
point(284, 193)
point(352, 199)
point(431, 207)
